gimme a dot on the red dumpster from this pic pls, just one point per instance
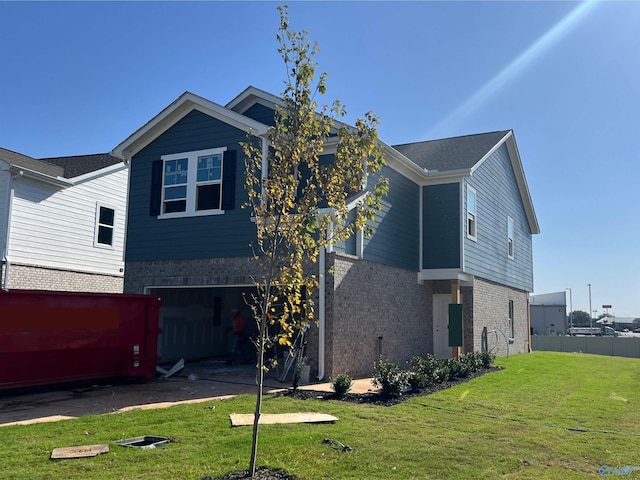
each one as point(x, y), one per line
point(53, 337)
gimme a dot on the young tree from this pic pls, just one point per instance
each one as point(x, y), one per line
point(300, 198)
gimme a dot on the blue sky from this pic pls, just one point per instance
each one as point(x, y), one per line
point(79, 77)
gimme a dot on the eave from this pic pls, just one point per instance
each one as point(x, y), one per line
point(172, 114)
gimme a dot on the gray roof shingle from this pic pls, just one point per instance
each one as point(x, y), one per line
point(66, 167)
point(29, 163)
point(82, 164)
point(451, 153)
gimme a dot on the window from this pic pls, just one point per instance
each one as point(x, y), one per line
point(471, 213)
point(511, 322)
point(510, 237)
point(192, 183)
point(105, 221)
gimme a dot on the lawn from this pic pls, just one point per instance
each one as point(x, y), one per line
point(545, 415)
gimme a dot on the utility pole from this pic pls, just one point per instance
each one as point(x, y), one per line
point(590, 311)
point(570, 311)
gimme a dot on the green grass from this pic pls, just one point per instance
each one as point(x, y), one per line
point(510, 424)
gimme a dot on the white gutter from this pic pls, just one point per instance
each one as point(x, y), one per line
point(321, 312)
point(5, 253)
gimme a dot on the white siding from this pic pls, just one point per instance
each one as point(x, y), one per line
point(55, 227)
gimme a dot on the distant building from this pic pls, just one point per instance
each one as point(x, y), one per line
point(549, 314)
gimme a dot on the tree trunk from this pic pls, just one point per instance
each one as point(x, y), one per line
point(260, 381)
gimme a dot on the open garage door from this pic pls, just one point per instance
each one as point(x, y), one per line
point(196, 321)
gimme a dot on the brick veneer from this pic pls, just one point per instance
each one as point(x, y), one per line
point(31, 277)
point(371, 309)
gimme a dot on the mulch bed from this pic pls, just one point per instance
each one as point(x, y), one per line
point(371, 398)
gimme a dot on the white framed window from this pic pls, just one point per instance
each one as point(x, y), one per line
point(471, 214)
point(192, 183)
point(105, 224)
point(510, 237)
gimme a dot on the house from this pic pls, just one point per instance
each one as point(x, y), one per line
point(62, 222)
point(456, 227)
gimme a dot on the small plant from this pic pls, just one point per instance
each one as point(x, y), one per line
point(486, 359)
point(388, 375)
point(341, 384)
point(297, 373)
point(417, 381)
point(441, 373)
point(421, 370)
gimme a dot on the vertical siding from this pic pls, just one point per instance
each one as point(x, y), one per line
point(395, 240)
point(54, 227)
point(215, 236)
point(441, 226)
point(498, 197)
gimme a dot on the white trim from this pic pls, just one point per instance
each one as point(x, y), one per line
point(490, 152)
point(96, 243)
point(192, 183)
point(178, 109)
point(467, 214)
point(511, 241)
point(98, 173)
point(444, 274)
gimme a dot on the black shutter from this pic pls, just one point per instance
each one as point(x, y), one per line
point(156, 188)
point(229, 180)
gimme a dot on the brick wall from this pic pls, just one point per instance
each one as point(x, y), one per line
point(366, 301)
point(198, 272)
point(491, 310)
point(29, 277)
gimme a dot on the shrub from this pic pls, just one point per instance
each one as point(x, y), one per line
point(417, 381)
point(390, 378)
point(486, 359)
point(341, 384)
point(297, 372)
point(420, 373)
point(441, 373)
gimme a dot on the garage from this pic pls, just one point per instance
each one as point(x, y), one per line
point(196, 321)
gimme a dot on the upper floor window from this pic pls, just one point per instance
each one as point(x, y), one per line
point(105, 223)
point(192, 183)
point(510, 237)
point(471, 213)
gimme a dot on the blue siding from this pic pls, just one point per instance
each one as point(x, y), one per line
point(498, 197)
point(262, 114)
point(441, 226)
point(149, 238)
point(395, 240)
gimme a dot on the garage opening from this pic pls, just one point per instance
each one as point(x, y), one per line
point(196, 321)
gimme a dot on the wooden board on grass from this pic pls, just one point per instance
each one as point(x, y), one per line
point(240, 419)
point(79, 451)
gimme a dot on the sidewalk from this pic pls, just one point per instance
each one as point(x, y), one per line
point(198, 382)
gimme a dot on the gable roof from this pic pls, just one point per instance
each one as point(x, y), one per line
point(455, 153)
point(178, 109)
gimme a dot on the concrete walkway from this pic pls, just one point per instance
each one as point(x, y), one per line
point(198, 382)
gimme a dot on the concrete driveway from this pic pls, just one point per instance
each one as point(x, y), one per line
point(197, 382)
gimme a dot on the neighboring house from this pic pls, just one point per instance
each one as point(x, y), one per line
point(549, 314)
point(456, 226)
point(62, 222)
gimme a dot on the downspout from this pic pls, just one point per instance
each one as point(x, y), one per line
point(5, 253)
point(321, 311)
